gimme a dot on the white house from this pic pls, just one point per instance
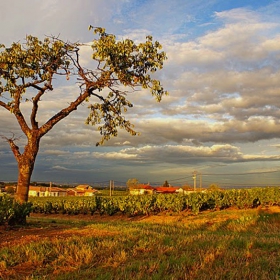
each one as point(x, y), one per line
point(46, 191)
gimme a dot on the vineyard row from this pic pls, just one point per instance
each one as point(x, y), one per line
point(154, 204)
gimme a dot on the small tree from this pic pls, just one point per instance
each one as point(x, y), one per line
point(27, 72)
point(214, 187)
point(10, 189)
point(187, 187)
point(132, 183)
point(166, 184)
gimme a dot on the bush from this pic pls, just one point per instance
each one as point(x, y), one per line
point(10, 190)
point(12, 212)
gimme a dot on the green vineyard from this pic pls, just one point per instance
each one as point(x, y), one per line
point(154, 204)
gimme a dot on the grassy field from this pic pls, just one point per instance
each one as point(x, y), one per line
point(229, 244)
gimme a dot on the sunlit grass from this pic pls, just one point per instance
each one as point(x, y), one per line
point(215, 245)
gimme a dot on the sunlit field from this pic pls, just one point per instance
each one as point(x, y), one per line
point(227, 244)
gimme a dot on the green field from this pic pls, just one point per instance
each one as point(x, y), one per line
point(227, 244)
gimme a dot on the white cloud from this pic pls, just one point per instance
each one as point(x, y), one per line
point(54, 152)
point(243, 15)
point(114, 155)
point(222, 74)
point(184, 154)
point(57, 167)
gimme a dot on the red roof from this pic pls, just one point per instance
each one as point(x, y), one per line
point(143, 186)
point(44, 189)
point(166, 189)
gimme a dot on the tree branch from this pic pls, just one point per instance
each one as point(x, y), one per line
point(33, 84)
point(14, 147)
point(66, 111)
point(33, 115)
point(4, 105)
point(36, 100)
point(19, 116)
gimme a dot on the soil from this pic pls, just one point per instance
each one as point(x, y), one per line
point(42, 226)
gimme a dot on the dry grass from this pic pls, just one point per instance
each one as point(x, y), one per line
point(232, 244)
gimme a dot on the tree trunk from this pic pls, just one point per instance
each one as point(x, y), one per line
point(24, 176)
point(26, 164)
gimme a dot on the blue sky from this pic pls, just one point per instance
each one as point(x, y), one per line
point(221, 118)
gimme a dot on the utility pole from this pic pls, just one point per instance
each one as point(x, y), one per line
point(110, 187)
point(200, 181)
point(113, 186)
point(194, 180)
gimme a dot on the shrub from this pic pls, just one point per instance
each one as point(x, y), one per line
point(12, 212)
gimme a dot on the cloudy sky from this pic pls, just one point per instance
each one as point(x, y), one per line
point(221, 118)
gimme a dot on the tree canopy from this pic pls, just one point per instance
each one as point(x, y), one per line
point(28, 71)
point(166, 184)
point(132, 183)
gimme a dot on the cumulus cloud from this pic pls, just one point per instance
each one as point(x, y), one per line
point(222, 75)
point(183, 154)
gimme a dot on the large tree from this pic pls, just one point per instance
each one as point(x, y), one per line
point(28, 71)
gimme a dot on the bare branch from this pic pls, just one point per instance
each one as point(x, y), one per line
point(14, 147)
point(34, 86)
point(14, 138)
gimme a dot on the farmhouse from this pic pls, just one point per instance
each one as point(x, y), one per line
point(141, 189)
point(83, 187)
point(82, 190)
point(46, 191)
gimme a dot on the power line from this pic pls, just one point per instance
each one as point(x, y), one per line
point(239, 174)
